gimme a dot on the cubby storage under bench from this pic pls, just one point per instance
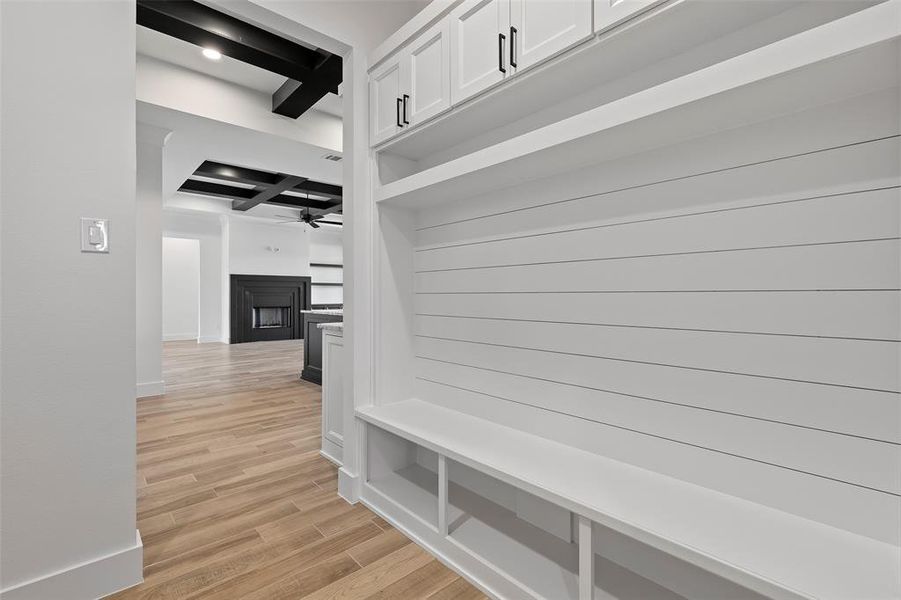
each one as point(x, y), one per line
point(764, 550)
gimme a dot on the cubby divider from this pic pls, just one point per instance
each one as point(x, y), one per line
point(396, 470)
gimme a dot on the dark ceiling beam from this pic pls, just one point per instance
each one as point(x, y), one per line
point(286, 183)
point(215, 170)
point(201, 25)
point(311, 73)
point(294, 98)
point(219, 190)
point(236, 194)
point(327, 190)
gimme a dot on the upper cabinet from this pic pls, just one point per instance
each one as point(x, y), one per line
point(411, 86)
point(541, 28)
point(428, 81)
point(476, 45)
point(608, 13)
point(494, 39)
point(480, 47)
point(385, 101)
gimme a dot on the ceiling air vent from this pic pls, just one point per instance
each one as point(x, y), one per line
point(332, 157)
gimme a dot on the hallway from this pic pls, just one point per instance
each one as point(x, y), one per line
point(234, 500)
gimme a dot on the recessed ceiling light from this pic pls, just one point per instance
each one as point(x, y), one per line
point(212, 54)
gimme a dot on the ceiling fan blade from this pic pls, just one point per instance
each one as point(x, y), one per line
point(335, 223)
point(314, 224)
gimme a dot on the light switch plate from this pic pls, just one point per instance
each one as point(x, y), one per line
point(94, 235)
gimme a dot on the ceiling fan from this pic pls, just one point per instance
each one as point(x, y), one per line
point(306, 217)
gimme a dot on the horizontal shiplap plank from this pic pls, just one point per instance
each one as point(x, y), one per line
point(676, 182)
point(780, 158)
point(858, 461)
point(860, 314)
point(861, 510)
point(859, 216)
point(857, 265)
point(856, 412)
point(855, 363)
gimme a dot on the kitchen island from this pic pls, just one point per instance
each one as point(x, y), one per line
point(312, 335)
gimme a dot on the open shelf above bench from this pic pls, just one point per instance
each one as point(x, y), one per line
point(845, 58)
point(763, 549)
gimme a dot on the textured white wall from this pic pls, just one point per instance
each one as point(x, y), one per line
point(181, 288)
point(67, 444)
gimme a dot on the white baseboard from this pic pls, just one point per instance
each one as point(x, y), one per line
point(150, 388)
point(86, 581)
point(210, 339)
point(348, 485)
point(179, 337)
point(324, 453)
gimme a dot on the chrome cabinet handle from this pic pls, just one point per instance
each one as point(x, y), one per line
point(501, 38)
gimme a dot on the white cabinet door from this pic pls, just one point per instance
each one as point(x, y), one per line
point(480, 46)
point(608, 13)
point(542, 28)
point(428, 66)
point(385, 101)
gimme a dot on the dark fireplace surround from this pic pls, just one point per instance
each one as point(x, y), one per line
point(267, 307)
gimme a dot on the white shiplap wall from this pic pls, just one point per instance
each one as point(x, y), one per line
point(725, 311)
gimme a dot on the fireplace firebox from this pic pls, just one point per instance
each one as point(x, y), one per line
point(265, 307)
point(265, 317)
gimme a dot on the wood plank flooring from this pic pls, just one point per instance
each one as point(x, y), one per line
point(234, 501)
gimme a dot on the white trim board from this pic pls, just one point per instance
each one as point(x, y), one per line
point(179, 337)
point(96, 578)
point(146, 389)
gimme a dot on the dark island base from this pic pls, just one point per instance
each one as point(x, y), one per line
point(312, 352)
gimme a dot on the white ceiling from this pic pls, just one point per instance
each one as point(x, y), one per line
point(184, 54)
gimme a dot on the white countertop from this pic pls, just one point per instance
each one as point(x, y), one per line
point(332, 327)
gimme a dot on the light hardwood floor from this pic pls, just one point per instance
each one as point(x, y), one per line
point(234, 501)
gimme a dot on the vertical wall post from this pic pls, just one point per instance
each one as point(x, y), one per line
point(586, 560)
point(442, 494)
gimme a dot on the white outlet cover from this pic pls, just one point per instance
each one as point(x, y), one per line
point(94, 235)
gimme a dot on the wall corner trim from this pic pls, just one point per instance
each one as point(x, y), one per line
point(95, 578)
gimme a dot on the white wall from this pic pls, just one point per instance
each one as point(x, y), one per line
point(148, 259)
point(181, 288)
point(213, 292)
point(67, 381)
point(258, 248)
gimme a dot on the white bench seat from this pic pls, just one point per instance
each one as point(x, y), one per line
point(766, 550)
